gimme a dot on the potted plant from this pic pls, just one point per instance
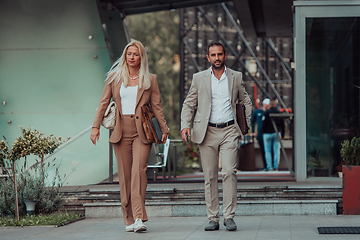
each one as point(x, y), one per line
point(345, 128)
point(350, 153)
point(339, 168)
point(319, 170)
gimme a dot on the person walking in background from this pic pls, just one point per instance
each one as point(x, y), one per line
point(257, 120)
point(271, 141)
point(214, 92)
point(131, 86)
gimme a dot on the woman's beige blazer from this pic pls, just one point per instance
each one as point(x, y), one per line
point(144, 97)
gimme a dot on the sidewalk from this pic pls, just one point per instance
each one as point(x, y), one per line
point(170, 228)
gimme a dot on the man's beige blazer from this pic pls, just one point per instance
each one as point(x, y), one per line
point(151, 95)
point(200, 96)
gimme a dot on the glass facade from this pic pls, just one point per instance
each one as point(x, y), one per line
point(332, 90)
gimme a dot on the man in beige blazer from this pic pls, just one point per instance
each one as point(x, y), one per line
point(214, 93)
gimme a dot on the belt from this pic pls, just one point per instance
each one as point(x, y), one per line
point(221, 125)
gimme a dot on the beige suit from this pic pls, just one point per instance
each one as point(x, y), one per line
point(214, 141)
point(131, 146)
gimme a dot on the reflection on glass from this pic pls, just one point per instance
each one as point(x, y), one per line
point(332, 90)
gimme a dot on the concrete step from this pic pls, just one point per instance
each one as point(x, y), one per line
point(317, 199)
point(244, 208)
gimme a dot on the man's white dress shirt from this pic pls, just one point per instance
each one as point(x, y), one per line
point(221, 111)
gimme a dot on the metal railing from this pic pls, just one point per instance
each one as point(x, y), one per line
point(71, 140)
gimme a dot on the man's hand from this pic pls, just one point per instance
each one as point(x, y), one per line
point(185, 133)
point(94, 135)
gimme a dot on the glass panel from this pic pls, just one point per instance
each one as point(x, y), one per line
point(332, 90)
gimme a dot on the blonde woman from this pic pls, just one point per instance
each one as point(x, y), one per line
point(131, 86)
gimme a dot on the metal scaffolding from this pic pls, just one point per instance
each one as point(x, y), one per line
point(268, 71)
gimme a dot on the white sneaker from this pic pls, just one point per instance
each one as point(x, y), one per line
point(139, 226)
point(129, 228)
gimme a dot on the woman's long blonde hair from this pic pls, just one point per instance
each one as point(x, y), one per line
point(119, 72)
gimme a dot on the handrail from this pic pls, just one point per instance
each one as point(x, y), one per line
point(60, 147)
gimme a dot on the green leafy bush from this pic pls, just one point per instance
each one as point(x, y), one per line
point(350, 151)
point(31, 186)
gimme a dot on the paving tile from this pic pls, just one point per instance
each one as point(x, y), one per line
point(294, 227)
point(342, 237)
point(314, 236)
point(15, 233)
point(274, 235)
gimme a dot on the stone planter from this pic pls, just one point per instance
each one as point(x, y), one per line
point(351, 190)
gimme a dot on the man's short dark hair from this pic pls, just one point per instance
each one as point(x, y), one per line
point(215, 43)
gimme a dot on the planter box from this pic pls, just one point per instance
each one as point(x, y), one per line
point(351, 190)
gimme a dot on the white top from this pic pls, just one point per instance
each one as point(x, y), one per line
point(221, 111)
point(128, 97)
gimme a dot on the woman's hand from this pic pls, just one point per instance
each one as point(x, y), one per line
point(164, 137)
point(94, 135)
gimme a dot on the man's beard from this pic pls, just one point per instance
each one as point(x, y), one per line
point(218, 67)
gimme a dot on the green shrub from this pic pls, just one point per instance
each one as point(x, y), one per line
point(350, 151)
point(31, 186)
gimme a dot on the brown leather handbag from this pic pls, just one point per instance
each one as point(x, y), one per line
point(151, 125)
point(241, 118)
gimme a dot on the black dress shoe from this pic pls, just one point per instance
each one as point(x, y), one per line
point(212, 226)
point(230, 224)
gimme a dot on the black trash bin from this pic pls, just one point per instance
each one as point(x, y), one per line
point(246, 154)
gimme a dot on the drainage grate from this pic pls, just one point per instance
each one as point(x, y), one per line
point(339, 230)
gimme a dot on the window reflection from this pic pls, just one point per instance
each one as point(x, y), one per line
point(332, 90)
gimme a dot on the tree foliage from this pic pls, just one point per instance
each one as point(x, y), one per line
point(159, 32)
point(31, 141)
